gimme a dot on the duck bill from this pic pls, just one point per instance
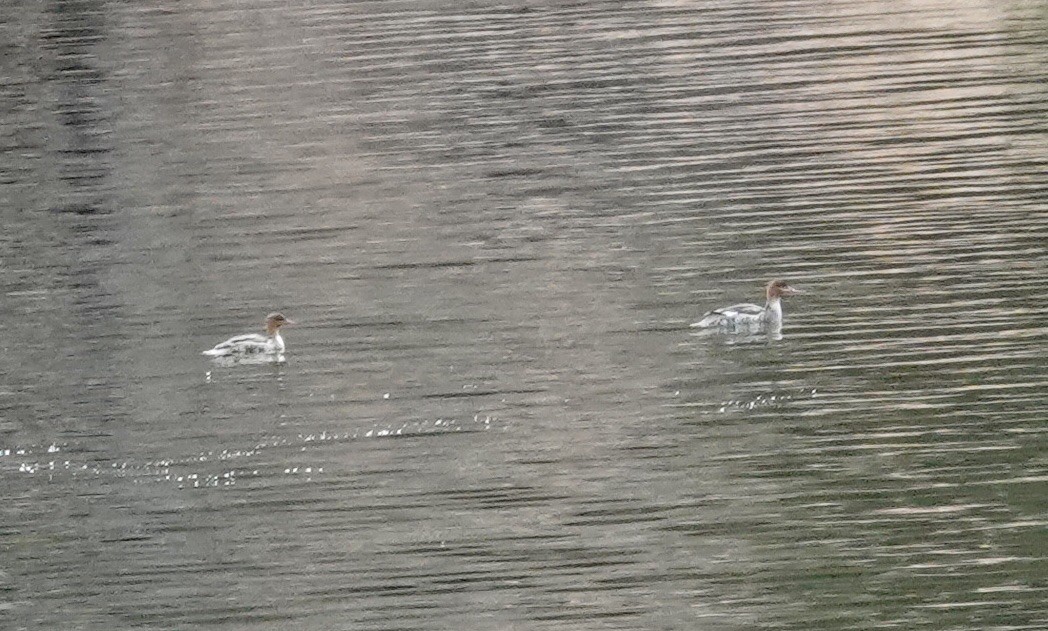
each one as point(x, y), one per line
point(287, 321)
point(789, 290)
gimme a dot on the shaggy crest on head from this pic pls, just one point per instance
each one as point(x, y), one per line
point(274, 321)
point(779, 288)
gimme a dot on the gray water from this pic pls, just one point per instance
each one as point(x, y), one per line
point(493, 224)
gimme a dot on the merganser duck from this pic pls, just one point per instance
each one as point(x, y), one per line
point(253, 343)
point(749, 317)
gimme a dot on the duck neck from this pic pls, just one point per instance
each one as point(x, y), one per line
point(773, 309)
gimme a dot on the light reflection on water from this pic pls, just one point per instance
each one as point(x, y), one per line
point(494, 226)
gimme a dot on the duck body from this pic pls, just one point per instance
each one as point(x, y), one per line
point(254, 343)
point(748, 317)
point(247, 344)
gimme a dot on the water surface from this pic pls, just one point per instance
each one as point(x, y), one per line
point(494, 224)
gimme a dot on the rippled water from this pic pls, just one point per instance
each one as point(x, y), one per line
point(494, 224)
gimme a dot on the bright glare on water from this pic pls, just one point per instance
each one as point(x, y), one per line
point(493, 224)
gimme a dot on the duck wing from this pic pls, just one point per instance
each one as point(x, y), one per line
point(247, 343)
point(724, 315)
